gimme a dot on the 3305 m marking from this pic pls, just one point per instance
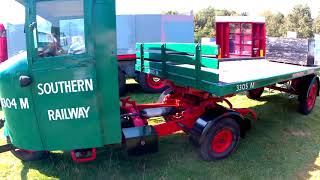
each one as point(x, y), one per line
point(245, 86)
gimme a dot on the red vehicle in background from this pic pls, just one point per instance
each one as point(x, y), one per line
point(241, 36)
point(3, 44)
point(149, 83)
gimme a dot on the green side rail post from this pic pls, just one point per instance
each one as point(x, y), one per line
point(198, 64)
point(163, 60)
point(142, 57)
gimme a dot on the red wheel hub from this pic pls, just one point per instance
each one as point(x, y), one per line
point(257, 92)
point(312, 96)
point(222, 141)
point(155, 82)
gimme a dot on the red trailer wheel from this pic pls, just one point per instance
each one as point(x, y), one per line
point(221, 141)
point(155, 82)
point(312, 96)
point(308, 99)
point(152, 84)
point(255, 93)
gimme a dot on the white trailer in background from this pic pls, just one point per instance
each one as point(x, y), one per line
point(152, 28)
point(148, 28)
point(16, 39)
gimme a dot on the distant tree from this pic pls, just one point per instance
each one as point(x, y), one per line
point(274, 24)
point(316, 25)
point(225, 12)
point(205, 21)
point(244, 14)
point(171, 13)
point(300, 21)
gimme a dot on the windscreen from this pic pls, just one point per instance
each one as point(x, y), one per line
point(60, 28)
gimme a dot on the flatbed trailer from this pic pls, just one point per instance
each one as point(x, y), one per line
point(201, 80)
point(184, 65)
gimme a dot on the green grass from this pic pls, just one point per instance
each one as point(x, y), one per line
point(281, 145)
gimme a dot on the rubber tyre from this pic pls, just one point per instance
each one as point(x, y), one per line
point(193, 141)
point(147, 87)
point(164, 94)
point(28, 156)
point(255, 93)
point(206, 151)
point(122, 82)
point(306, 108)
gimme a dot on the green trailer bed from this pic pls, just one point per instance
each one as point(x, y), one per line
point(196, 66)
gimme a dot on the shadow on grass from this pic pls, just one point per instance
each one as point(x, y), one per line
point(281, 145)
point(134, 88)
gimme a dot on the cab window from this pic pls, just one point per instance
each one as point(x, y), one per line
point(60, 28)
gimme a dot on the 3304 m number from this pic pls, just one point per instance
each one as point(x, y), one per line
point(245, 86)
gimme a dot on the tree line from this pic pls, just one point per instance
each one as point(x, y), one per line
point(298, 20)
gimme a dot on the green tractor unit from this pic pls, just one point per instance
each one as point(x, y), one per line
point(63, 93)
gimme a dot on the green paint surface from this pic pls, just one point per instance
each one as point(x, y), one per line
point(69, 115)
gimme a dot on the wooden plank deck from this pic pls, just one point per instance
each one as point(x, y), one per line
point(248, 70)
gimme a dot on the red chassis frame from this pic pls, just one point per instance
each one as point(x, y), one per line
point(192, 104)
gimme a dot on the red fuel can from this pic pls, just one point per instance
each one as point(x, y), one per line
point(3, 44)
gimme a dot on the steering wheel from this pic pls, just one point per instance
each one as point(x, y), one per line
point(53, 49)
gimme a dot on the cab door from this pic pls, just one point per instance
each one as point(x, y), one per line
point(62, 67)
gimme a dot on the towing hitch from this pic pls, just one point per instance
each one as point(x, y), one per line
point(7, 147)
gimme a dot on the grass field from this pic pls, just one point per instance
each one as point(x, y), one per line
point(281, 145)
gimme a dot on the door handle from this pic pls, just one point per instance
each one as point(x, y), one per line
point(32, 25)
point(25, 80)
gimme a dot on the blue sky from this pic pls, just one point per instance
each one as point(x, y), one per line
point(12, 12)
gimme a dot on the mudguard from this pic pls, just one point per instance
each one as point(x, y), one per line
point(140, 140)
point(204, 123)
point(306, 81)
point(317, 79)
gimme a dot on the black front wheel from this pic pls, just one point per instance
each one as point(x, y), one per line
point(221, 141)
point(26, 155)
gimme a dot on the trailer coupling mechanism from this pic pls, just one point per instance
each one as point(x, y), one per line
point(7, 147)
point(84, 155)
